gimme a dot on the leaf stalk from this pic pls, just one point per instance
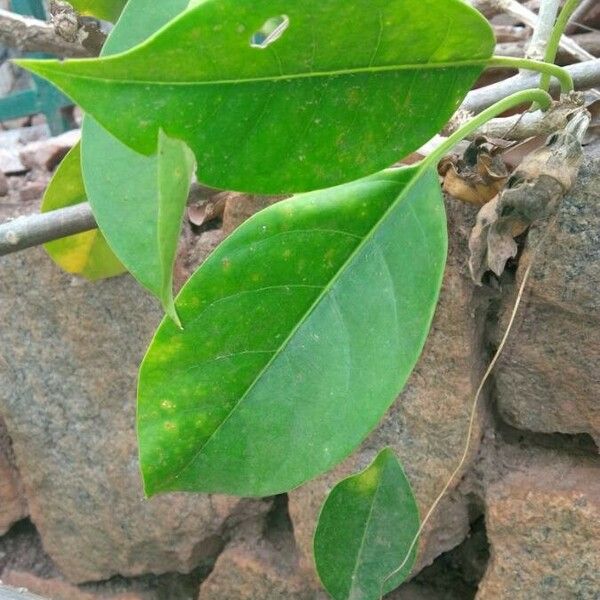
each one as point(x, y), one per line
point(557, 33)
point(547, 69)
point(534, 95)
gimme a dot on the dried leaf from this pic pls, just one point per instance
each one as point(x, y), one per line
point(532, 193)
point(478, 176)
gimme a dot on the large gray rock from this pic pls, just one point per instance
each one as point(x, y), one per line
point(70, 353)
point(13, 506)
point(548, 380)
point(427, 426)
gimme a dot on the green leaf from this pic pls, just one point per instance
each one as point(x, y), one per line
point(336, 91)
point(108, 10)
point(137, 200)
point(366, 530)
point(86, 254)
point(139, 204)
point(300, 331)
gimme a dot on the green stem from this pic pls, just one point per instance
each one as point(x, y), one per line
point(534, 95)
point(546, 68)
point(557, 33)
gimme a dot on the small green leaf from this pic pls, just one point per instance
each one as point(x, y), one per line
point(275, 96)
point(108, 10)
point(137, 200)
point(86, 254)
point(300, 331)
point(366, 530)
point(139, 203)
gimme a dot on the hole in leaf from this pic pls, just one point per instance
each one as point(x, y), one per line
point(270, 32)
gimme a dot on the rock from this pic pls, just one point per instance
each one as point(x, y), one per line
point(259, 567)
point(412, 591)
point(427, 426)
point(240, 207)
point(173, 587)
point(70, 352)
point(13, 506)
point(547, 379)
point(12, 142)
point(34, 190)
point(10, 163)
point(25, 564)
point(46, 154)
point(543, 524)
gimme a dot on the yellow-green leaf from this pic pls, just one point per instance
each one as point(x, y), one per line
point(86, 254)
point(108, 10)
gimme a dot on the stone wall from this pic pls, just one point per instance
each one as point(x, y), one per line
point(529, 498)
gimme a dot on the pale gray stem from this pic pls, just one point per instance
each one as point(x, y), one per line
point(585, 75)
point(513, 8)
point(33, 230)
point(543, 29)
point(530, 124)
point(32, 35)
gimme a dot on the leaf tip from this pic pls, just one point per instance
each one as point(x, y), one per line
point(171, 312)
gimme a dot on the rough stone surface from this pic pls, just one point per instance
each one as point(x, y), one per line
point(25, 564)
point(46, 154)
point(543, 524)
point(69, 357)
point(427, 425)
point(548, 377)
point(12, 142)
point(13, 506)
point(260, 565)
point(32, 191)
point(153, 588)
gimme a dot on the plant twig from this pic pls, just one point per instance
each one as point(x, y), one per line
point(513, 8)
point(557, 35)
point(531, 124)
point(585, 75)
point(26, 232)
point(32, 230)
point(543, 29)
point(32, 35)
point(546, 68)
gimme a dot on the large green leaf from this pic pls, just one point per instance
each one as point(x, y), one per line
point(138, 200)
point(86, 254)
point(365, 532)
point(109, 10)
point(300, 330)
point(346, 90)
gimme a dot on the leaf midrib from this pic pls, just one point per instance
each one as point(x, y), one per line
point(364, 536)
point(267, 79)
point(326, 290)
